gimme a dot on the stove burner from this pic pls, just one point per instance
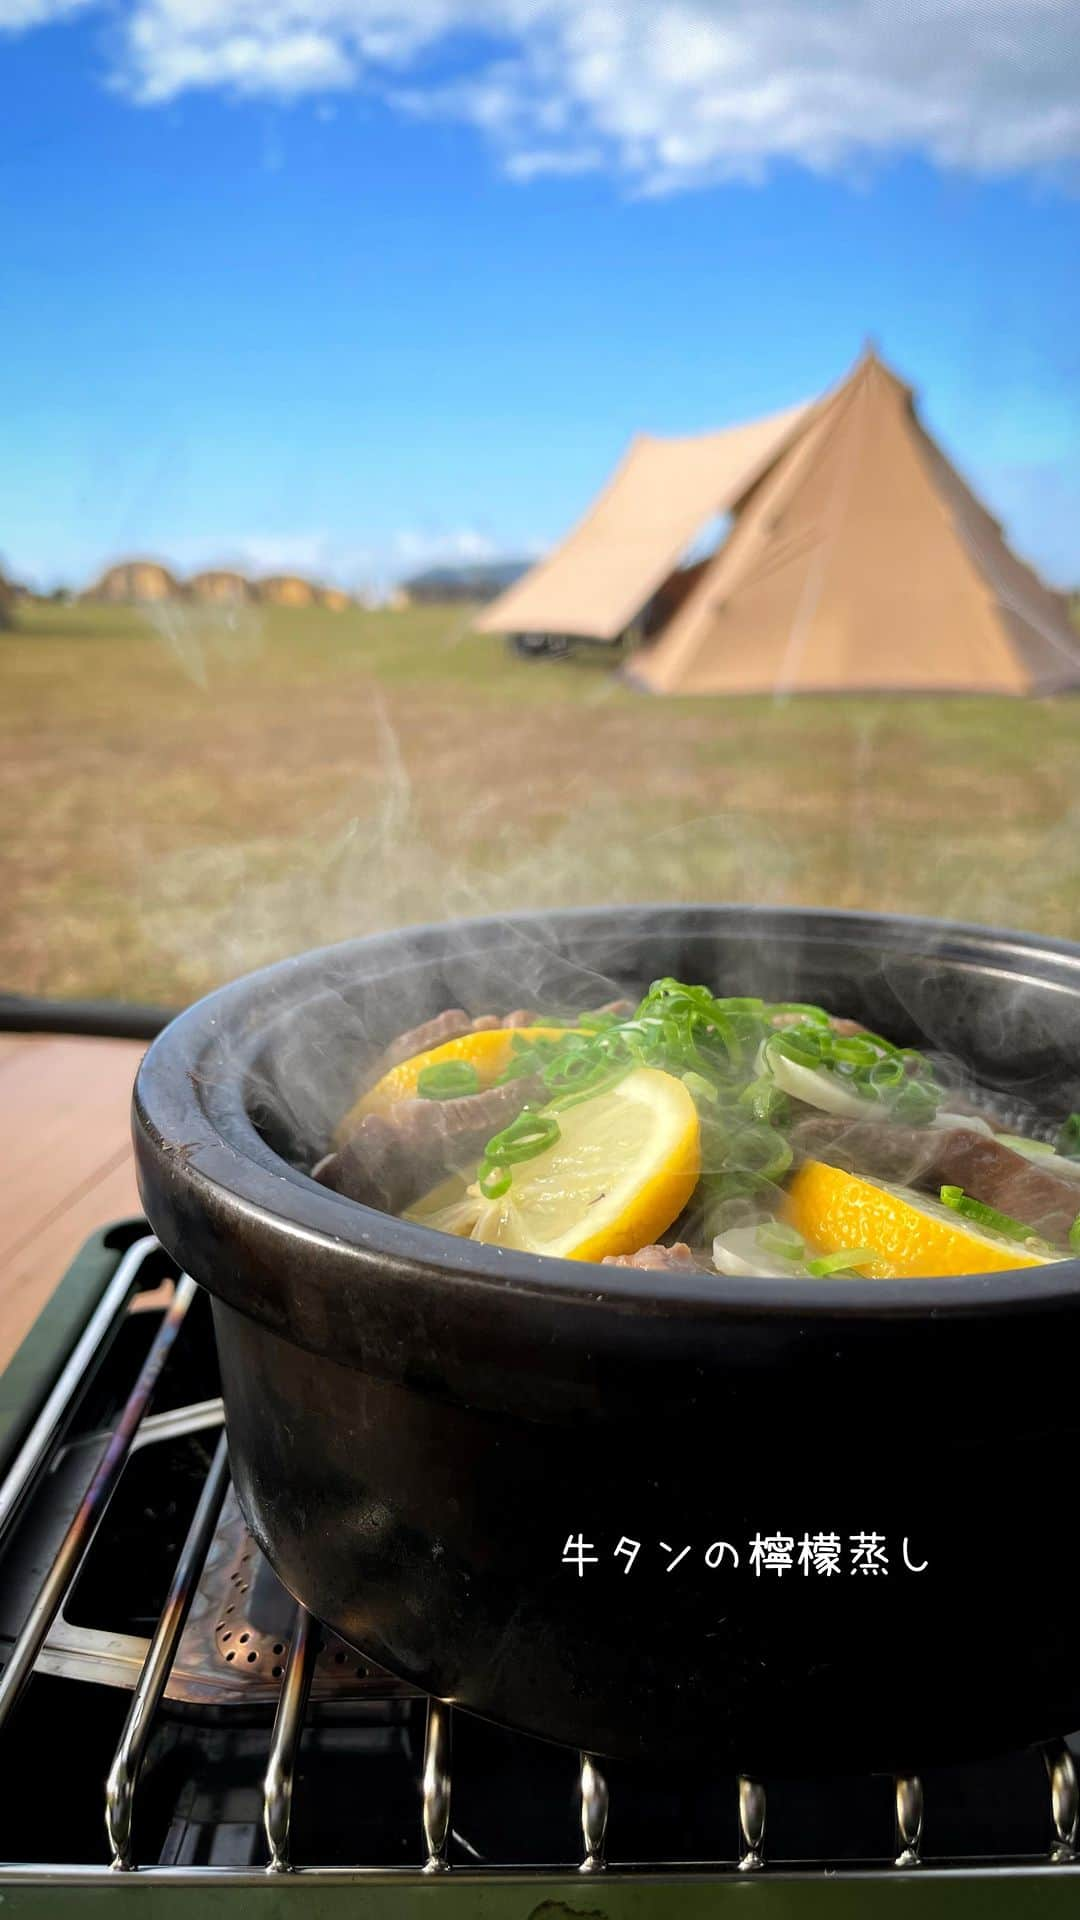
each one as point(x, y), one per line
point(239, 1633)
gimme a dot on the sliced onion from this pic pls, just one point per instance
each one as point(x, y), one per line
point(738, 1253)
point(962, 1123)
point(1041, 1156)
point(817, 1088)
point(1031, 1149)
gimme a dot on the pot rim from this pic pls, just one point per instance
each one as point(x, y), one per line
point(233, 1171)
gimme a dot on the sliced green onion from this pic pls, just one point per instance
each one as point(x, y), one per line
point(807, 1049)
point(447, 1080)
point(525, 1061)
point(523, 1139)
point(574, 1073)
point(832, 1264)
point(536, 1047)
point(884, 1049)
point(762, 1151)
point(589, 1091)
point(493, 1181)
point(531, 1133)
point(856, 1050)
point(700, 1089)
point(916, 1103)
point(889, 1046)
point(985, 1216)
point(816, 1016)
point(1068, 1140)
point(570, 1068)
point(885, 1074)
point(1074, 1235)
point(774, 1237)
point(766, 1102)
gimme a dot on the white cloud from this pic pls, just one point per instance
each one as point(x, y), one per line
point(431, 548)
point(311, 553)
point(327, 557)
point(414, 549)
point(17, 15)
point(529, 163)
point(256, 63)
point(665, 93)
point(279, 49)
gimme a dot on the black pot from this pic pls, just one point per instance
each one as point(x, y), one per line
point(419, 1425)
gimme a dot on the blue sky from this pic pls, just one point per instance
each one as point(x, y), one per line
point(354, 286)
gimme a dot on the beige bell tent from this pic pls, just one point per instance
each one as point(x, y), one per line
point(857, 560)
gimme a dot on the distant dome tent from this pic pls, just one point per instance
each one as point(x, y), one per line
point(857, 560)
point(220, 586)
point(288, 590)
point(136, 582)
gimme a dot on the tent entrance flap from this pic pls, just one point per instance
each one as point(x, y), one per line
point(661, 495)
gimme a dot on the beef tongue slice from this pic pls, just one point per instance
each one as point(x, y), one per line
point(392, 1158)
point(656, 1259)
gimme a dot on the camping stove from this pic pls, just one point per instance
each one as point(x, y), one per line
point(171, 1722)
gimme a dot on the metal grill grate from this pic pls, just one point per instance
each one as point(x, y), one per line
point(204, 1641)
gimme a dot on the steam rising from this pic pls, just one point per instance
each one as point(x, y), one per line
point(436, 795)
point(440, 815)
point(202, 638)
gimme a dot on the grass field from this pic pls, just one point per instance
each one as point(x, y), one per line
point(183, 798)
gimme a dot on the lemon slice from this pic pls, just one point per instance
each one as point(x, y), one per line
point(489, 1052)
point(623, 1168)
point(911, 1234)
point(452, 1207)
